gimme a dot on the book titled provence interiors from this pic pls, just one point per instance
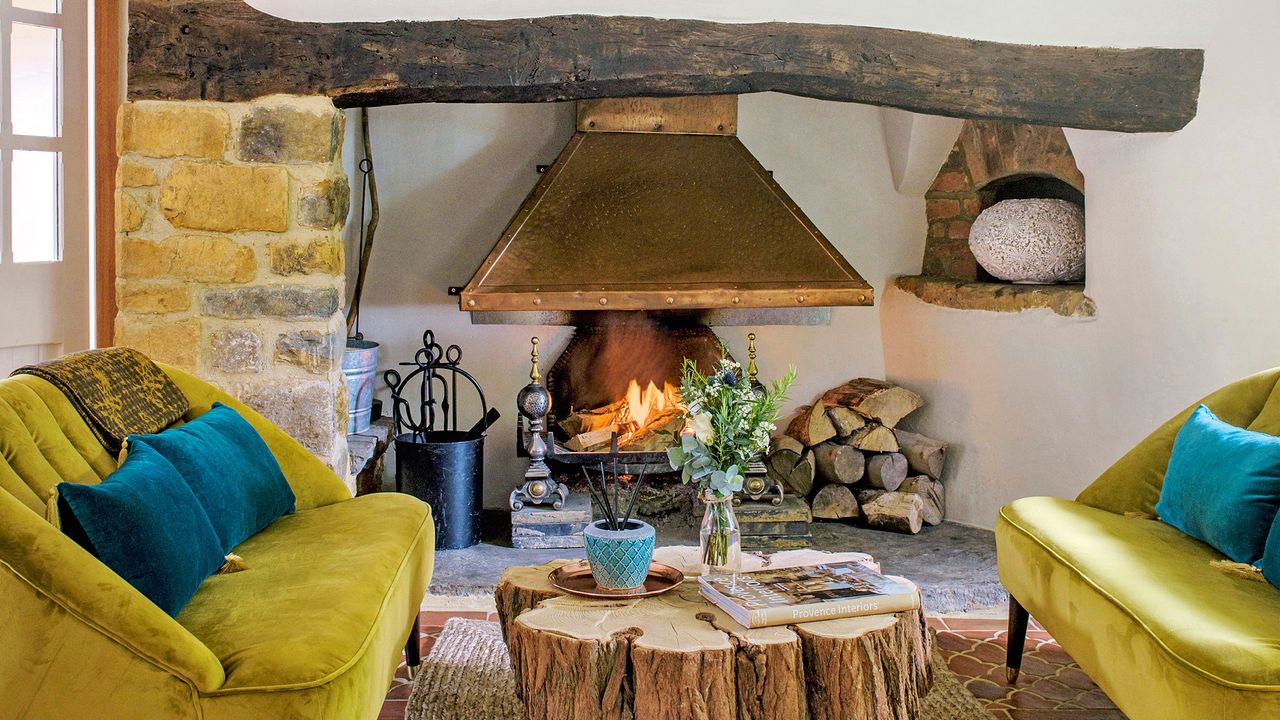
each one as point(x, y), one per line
point(813, 592)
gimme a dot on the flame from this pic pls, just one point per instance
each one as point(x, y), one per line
point(647, 404)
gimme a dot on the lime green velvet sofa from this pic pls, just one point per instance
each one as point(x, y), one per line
point(1135, 602)
point(313, 629)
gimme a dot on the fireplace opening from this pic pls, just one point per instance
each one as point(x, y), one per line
point(617, 381)
point(621, 376)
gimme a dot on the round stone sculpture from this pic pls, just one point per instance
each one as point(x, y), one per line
point(1030, 241)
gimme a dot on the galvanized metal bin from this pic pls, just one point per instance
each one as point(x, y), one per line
point(359, 365)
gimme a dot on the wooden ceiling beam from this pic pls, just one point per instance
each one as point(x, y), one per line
point(226, 50)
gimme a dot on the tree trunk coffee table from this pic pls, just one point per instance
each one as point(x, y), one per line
point(677, 657)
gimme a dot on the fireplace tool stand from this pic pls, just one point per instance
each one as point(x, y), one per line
point(436, 459)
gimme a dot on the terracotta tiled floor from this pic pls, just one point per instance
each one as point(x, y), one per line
point(1051, 687)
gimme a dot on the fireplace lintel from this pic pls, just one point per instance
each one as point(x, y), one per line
point(227, 50)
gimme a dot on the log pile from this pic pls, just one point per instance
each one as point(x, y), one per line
point(847, 455)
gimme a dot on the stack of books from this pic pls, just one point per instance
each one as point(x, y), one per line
point(813, 592)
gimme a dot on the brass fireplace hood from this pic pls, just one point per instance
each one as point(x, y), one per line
point(655, 205)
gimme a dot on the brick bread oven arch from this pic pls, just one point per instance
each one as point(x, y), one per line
point(989, 155)
point(990, 161)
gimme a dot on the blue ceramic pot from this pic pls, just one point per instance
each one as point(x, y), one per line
point(619, 559)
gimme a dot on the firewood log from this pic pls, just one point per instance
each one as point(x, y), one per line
point(897, 511)
point(845, 420)
point(591, 441)
point(786, 442)
point(801, 479)
point(811, 425)
point(839, 463)
point(875, 399)
point(924, 454)
point(835, 502)
point(887, 471)
point(790, 465)
point(657, 433)
point(931, 493)
point(873, 438)
point(583, 421)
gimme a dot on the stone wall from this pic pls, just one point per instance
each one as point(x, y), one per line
point(229, 263)
point(985, 151)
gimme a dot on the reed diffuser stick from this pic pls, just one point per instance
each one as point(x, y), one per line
point(634, 492)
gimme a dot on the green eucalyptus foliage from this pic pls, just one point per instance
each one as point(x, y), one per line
point(728, 422)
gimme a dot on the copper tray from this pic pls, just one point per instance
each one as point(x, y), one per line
point(575, 579)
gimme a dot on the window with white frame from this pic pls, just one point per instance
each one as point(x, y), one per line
point(42, 47)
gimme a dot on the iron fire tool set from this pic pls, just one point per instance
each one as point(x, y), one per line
point(436, 459)
point(546, 515)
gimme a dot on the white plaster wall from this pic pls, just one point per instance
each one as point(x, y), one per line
point(451, 176)
point(1183, 256)
point(1183, 236)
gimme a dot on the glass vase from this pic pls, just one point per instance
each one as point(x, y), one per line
point(720, 540)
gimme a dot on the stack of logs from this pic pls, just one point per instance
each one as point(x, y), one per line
point(847, 455)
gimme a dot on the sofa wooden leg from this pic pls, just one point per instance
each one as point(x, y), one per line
point(1016, 639)
point(413, 648)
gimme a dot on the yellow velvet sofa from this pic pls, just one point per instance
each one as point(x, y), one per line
point(1136, 602)
point(313, 629)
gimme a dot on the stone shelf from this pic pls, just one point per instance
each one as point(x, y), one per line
point(366, 452)
point(1067, 300)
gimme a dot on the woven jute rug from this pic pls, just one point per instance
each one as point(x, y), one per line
point(468, 676)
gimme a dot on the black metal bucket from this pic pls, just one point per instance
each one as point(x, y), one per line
point(446, 470)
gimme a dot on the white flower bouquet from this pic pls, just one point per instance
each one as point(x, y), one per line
point(728, 423)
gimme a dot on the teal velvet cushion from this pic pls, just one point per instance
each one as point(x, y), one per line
point(230, 469)
point(1222, 485)
point(144, 522)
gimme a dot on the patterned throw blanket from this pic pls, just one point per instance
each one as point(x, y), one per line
point(118, 391)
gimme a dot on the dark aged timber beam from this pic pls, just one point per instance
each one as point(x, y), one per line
point(226, 50)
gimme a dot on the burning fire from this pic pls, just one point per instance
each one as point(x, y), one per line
point(644, 419)
point(650, 403)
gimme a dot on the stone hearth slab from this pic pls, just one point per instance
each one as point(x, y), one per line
point(954, 565)
point(542, 526)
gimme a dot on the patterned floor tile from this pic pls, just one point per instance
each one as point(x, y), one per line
point(1050, 687)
